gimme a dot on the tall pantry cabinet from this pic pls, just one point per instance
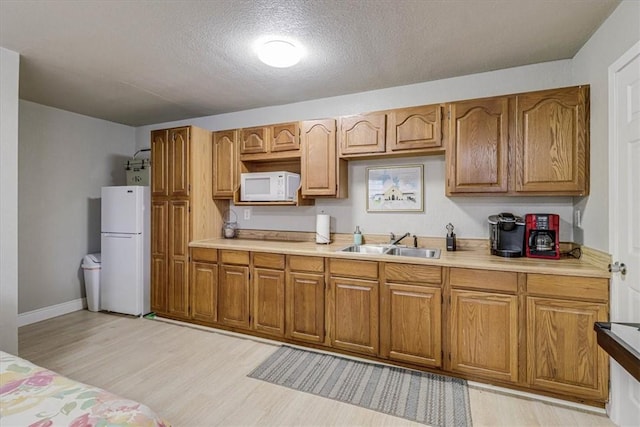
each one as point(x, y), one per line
point(181, 210)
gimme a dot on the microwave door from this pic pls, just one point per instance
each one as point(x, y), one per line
point(258, 188)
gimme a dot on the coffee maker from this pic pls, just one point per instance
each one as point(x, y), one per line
point(506, 235)
point(543, 234)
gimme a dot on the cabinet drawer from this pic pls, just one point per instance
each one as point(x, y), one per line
point(306, 263)
point(204, 254)
point(568, 286)
point(484, 279)
point(353, 268)
point(234, 257)
point(413, 273)
point(268, 260)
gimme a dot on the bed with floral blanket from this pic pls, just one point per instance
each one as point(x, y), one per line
point(34, 396)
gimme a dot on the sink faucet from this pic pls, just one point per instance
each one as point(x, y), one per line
point(396, 241)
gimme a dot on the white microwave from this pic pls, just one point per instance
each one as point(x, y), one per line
point(269, 186)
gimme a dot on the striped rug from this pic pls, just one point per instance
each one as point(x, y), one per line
point(424, 397)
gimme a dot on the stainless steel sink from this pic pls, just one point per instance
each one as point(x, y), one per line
point(366, 249)
point(392, 250)
point(414, 252)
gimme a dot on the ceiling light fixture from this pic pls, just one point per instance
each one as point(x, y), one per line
point(279, 53)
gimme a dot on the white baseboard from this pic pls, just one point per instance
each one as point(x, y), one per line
point(51, 311)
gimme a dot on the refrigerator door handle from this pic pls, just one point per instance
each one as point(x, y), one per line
point(119, 236)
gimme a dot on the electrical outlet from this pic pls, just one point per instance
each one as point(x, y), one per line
point(247, 213)
point(577, 218)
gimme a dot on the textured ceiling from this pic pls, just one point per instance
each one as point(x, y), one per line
point(140, 62)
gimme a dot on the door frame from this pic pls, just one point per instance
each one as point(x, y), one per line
point(621, 404)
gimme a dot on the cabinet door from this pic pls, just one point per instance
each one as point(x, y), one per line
point(318, 160)
point(305, 307)
point(362, 134)
point(225, 163)
point(412, 315)
point(484, 334)
point(414, 128)
point(178, 288)
point(159, 156)
point(268, 301)
point(285, 137)
point(204, 292)
point(253, 140)
point(233, 296)
point(552, 147)
point(159, 255)
point(355, 315)
point(179, 162)
point(562, 349)
point(477, 151)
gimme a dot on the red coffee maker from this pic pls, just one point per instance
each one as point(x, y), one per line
point(542, 236)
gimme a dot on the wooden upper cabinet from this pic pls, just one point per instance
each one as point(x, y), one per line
point(478, 146)
point(552, 144)
point(254, 140)
point(225, 164)
point(285, 137)
point(414, 128)
point(277, 142)
point(159, 162)
point(534, 143)
point(321, 172)
point(179, 161)
point(362, 134)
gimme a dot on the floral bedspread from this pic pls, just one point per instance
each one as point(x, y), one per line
point(34, 396)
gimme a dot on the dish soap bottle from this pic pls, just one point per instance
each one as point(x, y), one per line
point(357, 236)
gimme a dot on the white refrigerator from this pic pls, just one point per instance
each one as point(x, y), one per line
point(126, 226)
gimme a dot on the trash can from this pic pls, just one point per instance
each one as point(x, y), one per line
point(91, 264)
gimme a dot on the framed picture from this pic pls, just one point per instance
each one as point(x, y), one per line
point(395, 189)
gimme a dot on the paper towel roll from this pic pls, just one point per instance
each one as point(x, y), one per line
point(323, 226)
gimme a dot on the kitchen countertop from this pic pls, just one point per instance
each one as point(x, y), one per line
point(472, 258)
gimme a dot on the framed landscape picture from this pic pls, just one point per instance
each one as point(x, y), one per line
point(395, 189)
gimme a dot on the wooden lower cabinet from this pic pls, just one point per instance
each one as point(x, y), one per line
point(414, 319)
point(354, 315)
point(268, 306)
point(563, 354)
point(234, 296)
point(484, 334)
point(527, 331)
point(411, 314)
point(204, 292)
point(178, 280)
point(159, 256)
point(305, 305)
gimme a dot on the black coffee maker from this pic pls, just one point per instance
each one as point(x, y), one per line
point(506, 235)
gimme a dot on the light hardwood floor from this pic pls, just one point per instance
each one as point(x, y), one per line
point(194, 377)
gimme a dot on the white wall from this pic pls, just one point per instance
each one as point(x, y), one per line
point(9, 72)
point(614, 37)
point(64, 160)
point(468, 214)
